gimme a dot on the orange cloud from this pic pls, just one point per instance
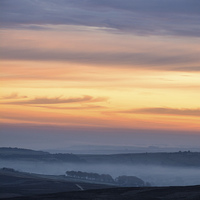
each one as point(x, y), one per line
point(87, 107)
point(14, 95)
point(59, 100)
point(165, 111)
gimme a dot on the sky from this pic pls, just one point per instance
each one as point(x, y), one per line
point(99, 72)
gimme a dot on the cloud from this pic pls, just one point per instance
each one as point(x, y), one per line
point(164, 111)
point(59, 100)
point(143, 17)
point(74, 107)
point(188, 69)
point(147, 59)
point(13, 95)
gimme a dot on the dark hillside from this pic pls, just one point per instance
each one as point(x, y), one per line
point(154, 193)
point(31, 155)
point(18, 151)
point(15, 184)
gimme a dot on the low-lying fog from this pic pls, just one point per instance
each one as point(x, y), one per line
point(156, 175)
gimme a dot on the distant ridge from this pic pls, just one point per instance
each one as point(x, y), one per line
point(15, 150)
point(9, 153)
point(181, 158)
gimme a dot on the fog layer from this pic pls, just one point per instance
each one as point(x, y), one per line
point(154, 174)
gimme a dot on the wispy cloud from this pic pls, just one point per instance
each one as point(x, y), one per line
point(60, 100)
point(83, 107)
point(164, 111)
point(13, 95)
point(142, 17)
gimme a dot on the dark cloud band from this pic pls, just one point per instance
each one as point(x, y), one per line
point(144, 17)
point(150, 60)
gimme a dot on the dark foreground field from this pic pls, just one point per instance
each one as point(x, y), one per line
point(22, 186)
point(154, 193)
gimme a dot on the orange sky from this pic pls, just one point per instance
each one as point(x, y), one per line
point(99, 72)
point(75, 75)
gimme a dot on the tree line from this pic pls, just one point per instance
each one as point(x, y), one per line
point(125, 181)
point(91, 176)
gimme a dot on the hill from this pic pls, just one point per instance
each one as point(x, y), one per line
point(154, 193)
point(183, 159)
point(19, 184)
point(32, 155)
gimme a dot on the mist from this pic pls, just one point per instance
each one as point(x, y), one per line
point(154, 174)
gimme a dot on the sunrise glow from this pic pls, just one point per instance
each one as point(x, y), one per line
point(94, 74)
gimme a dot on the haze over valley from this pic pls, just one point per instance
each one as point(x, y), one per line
point(159, 169)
